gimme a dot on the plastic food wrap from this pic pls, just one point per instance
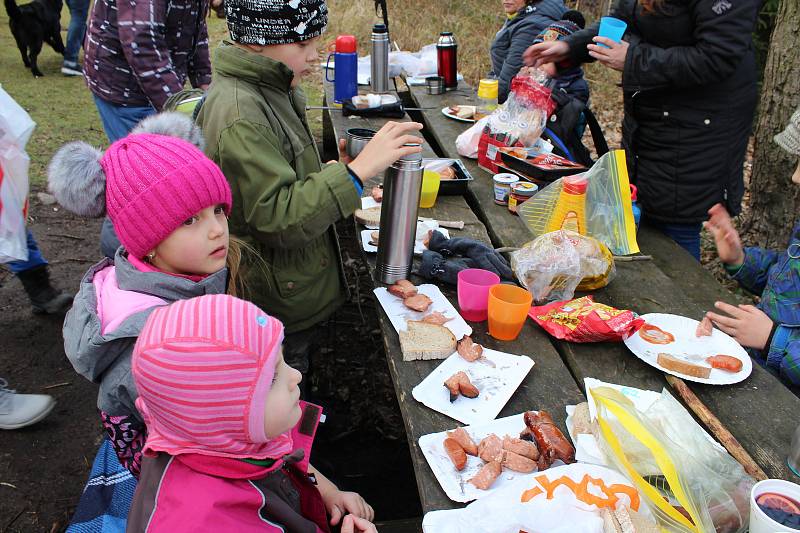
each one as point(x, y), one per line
point(519, 121)
point(596, 203)
point(584, 320)
point(555, 264)
point(690, 483)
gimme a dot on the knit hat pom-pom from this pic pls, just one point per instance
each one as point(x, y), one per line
point(172, 124)
point(77, 180)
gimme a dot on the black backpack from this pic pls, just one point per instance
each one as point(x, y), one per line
point(563, 129)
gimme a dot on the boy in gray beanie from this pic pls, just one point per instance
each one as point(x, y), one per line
point(771, 329)
point(285, 201)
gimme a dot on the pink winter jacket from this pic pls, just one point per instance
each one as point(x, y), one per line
point(192, 493)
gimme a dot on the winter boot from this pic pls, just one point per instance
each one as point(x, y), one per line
point(20, 410)
point(44, 298)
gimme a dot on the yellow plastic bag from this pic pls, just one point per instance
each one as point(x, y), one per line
point(596, 203)
point(691, 484)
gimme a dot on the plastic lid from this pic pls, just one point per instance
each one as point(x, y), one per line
point(576, 184)
point(524, 188)
point(346, 44)
point(379, 28)
point(487, 88)
point(506, 177)
point(446, 33)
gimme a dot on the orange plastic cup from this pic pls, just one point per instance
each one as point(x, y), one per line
point(508, 309)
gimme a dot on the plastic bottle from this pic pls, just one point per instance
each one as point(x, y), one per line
point(487, 98)
point(570, 211)
point(345, 79)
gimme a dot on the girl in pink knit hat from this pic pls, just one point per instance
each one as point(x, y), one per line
point(169, 204)
point(224, 418)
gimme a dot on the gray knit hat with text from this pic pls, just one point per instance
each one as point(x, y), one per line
point(267, 22)
point(789, 139)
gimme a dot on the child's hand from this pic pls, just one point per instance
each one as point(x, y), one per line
point(546, 52)
point(729, 247)
point(749, 325)
point(343, 157)
point(549, 69)
point(386, 147)
point(353, 524)
point(340, 502)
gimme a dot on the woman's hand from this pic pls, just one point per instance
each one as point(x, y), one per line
point(729, 246)
point(546, 52)
point(353, 524)
point(749, 325)
point(613, 56)
point(386, 147)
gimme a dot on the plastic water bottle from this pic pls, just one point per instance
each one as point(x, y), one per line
point(345, 79)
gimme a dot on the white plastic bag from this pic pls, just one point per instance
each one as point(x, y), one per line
point(16, 127)
point(467, 142)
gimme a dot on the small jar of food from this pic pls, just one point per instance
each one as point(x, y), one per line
point(521, 191)
point(502, 187)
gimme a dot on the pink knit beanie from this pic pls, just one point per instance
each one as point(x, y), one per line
point(203, 368)
point(148, 183)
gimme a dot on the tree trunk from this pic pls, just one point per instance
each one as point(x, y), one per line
point(774, 199)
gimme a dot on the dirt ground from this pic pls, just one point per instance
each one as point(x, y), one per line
point(43, 468)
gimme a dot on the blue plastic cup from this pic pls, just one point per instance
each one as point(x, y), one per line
point(611, 28)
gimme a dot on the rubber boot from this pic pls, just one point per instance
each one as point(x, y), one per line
point(45, 299)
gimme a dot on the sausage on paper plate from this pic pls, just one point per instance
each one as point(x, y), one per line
point(486, 475)
point(456, 453)
point(551, 442)
point(461, 436)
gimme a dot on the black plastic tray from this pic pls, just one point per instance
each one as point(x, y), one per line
point(534, 173)
point(455, 186)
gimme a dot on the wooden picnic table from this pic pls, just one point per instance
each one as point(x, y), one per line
point(548, 386)
point(760, 411)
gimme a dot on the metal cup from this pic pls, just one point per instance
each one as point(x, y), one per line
point(356, 139)
point(434, 84)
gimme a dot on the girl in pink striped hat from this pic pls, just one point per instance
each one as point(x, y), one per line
point(224, 419)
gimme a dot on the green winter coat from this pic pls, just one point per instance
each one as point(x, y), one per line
point(285, 203)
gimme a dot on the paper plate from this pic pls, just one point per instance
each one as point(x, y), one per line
point(453, 482)
point(399, 314)
point(368, 201)
point(446, 112)
point(688, 346)
point(496, 375)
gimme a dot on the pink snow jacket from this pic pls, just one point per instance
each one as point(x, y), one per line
point(193, 493)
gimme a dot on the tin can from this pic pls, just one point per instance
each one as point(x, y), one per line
point(446, 56)
point(521, 191)
point(502, 187)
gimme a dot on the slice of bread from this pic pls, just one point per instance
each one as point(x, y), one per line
point(623, 520)
point(581, 419)
point(369, 217)
point(683, 366)
point(422, 340)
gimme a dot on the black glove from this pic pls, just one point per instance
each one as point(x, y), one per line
point(434, 266)
point(479, 255)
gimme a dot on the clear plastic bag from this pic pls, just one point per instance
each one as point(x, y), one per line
point(691, 483)
point(600, 208)
point(555, 264)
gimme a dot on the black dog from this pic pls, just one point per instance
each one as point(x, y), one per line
point(34, 24)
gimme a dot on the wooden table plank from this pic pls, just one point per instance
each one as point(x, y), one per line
point(549, 385)
point(760, 412)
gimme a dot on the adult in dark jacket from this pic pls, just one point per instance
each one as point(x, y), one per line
point(689, 86)
point(525, 20)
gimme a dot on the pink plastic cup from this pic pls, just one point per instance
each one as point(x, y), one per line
point(473, 293)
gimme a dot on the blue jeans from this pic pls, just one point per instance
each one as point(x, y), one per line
point(118, 121)
point(78, 10)
point(686, 235)
point(35, 258)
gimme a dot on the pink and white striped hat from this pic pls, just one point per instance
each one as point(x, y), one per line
point(203, 368)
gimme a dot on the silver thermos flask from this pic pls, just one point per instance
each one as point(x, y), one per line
point(401, 189)
point(379, 60)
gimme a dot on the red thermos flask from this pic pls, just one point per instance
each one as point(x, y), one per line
point(446, 54)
